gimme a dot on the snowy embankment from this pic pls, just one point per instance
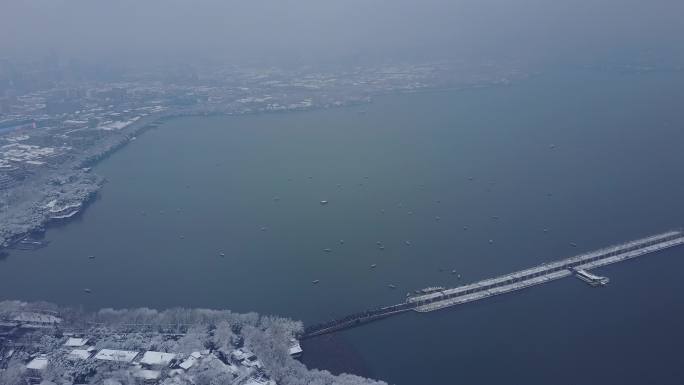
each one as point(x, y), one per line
point(174, 347)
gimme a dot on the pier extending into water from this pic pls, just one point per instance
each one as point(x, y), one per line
point(543, 273)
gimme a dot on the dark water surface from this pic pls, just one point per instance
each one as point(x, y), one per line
point(196, 187)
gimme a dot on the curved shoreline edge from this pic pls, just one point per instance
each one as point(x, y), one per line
point(29, 222)
point(78, 187)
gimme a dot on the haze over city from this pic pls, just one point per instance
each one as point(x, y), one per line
point(308, 31)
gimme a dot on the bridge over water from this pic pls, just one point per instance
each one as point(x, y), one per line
point(507, 283)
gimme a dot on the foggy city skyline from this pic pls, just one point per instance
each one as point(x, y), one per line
point(308, 31)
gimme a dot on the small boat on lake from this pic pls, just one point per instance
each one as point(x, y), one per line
point(428, 290)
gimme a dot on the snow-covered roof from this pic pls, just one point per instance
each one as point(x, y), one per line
point(190, 361)
point(216, 363)
point(80, 354)
point(36, 317)
point(295, 348)
point(76, 342)
point(147, 374)
point(38, 363)
point(157, 358)
point(187, 364)
point(116, 355)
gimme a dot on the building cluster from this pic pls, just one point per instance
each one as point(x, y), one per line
point(60, 356)
point(150, 367)
point(46, 122)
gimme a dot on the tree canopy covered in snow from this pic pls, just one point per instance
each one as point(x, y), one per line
point(213, 343)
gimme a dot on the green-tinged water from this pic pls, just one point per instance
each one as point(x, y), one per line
point(595, 158)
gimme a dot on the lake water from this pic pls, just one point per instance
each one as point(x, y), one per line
point(594, 157)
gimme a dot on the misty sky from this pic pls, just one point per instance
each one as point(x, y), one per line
point(319, 30)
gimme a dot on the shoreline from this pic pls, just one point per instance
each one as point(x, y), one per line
point(86, 185)
point(233, 347)
point(80, 184)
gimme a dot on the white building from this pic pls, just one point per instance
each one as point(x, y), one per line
point(38, 363)
point(157, 358)
point(116, 355)
point(190, 361)
point(76, 342)
point(295, 348)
